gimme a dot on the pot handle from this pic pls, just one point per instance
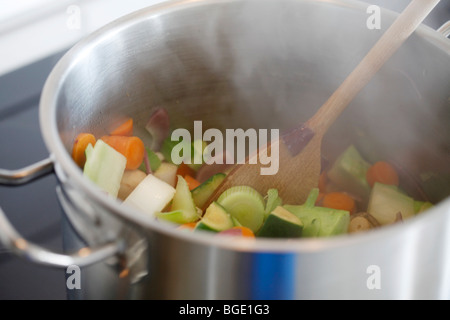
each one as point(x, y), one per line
point(13, 241)
point(445, 29)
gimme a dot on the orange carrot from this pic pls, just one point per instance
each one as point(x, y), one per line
point(246, 232)
point(192, 183)
point(131, 147)
point(339, 200)
point(125, 129)
point(382, 172)
point(189, 226)
point(323, 180)
point(79, 147)
point(184, 170)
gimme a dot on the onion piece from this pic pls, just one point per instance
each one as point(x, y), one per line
point(159, 128)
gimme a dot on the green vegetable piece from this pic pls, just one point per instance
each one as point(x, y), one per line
point(215, 219)
point(176, 216)
point(105, 167)
point(313, 229)
point(151, 195)
point(166, 149)
point(386, 202)
point(421, 206)
point(273, 201)
point(153, 159)
point(202, 193)
point(183, 208)
point(319, 221)
point(245, 204)
point(197, 149)
point(312, 198)
point(349, 173)
point(236, 222)
point(281, 224)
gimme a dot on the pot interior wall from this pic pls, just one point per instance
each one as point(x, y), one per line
point(265, 64)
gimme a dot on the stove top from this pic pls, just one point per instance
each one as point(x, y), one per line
point(33, 209)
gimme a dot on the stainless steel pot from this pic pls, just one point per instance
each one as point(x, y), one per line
point(249, 64)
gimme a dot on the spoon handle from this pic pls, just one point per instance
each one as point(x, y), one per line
point(406, 23)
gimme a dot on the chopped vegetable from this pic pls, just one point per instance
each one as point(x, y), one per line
point(220, 166)
point(273, 201)
point(125, 129)
point(131, 147)
point(216, 219)
point(190, 153)
point(192, 182)
point(319, 221)
point(166, 149)
point(420, 206)
point(339, 200)
point(245, 204)
point(238, 231)
point(150, 181)
point(348, 173)
point(130, 180)
point(105, 167)
point(79, 148)
point(188, 226)
point(158, 126)
point(167, 172)
point(312, 198)
point(185, 170)
point(382, 172)
point(281, 224)
point(197, 149)
point(358, 224)
point(151, 195)
point(183, 208)
point(362, 222)
point(202, 193)
point(386, 201)
point(154, 162)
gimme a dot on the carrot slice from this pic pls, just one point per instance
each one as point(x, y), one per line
point(382, 172)
point(184, 170)
point(79, 147)
point(131, 147)
point(246, 232)
point(339, 200)
point(189, 226)
point(125, 129)
point(192, 183)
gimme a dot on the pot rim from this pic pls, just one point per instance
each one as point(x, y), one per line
point(60, 156)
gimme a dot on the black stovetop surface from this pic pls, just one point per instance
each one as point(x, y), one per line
point(33, 209)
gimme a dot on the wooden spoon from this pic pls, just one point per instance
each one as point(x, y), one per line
point(300, 148)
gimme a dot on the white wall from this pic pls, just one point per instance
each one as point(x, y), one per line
point(33, 29)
